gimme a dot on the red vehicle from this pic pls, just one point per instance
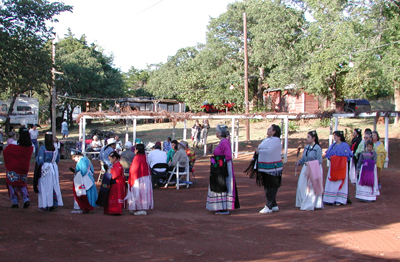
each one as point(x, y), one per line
point(210, 108)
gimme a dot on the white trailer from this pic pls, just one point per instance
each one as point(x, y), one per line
point(25, 111)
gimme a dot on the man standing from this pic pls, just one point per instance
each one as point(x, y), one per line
point(34, 133)
point(64, 129)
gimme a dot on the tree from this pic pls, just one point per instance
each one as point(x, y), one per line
point(25, 61)
point(87, 72)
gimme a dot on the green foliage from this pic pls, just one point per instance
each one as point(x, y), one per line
point(87, 72)
point(324, 122)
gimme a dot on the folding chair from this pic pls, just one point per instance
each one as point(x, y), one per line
point(157, 175)
point(178, 173)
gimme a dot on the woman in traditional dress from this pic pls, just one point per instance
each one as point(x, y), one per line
point(86, 202)
point(309, 186)
point(336, 186)
point(116, 194)
point(140, 188)
point(357, 138)
point(204, 132)
point(17, 158)
point(367, 182)
point(48, 184)
point(222, 202)
point(269, 167)
point(381, 155)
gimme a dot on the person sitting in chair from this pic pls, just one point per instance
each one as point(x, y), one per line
point(157, 156)
point(179, 157)
point(127, 156)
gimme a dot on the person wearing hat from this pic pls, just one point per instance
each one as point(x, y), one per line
point(140, 186)
point(83, 203)
point(221, 201)
point(106, 150)
point(116, 194)
point(336, 186)
point(127, 156)
point(180, 156)
point(48, 184)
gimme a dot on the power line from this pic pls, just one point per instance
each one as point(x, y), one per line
point(148, 8)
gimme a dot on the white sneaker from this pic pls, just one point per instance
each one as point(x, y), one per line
point(140, 213)
point(265, 210)
point(275, 209)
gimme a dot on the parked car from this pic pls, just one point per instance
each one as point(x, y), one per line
point(356, 105)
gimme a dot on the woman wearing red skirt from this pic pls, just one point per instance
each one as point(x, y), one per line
point(116, 194)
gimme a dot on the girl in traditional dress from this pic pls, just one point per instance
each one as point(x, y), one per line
point(336, 186)
point(48, 184)
point(357, 138)
point(116, 194)
point(381, 155)
point(309, 186)
point(17, 158)
point(221, 202)
point(367, 182)
point(140, 188)
point(84, 168)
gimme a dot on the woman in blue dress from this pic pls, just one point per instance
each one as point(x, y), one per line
point(48, 184)
point(84, 168)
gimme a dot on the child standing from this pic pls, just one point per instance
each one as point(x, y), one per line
point(367, 182)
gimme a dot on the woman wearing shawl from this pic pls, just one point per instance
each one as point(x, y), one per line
point(357, 138)
point(269, 167)
point(336, 186)
point(116, 194)
point(309, 186)
point(17, 159)
point(140, 188)
point(85, 198)
point(48, 184)
point(367, 183)
point(226, 197)
point(381, 155)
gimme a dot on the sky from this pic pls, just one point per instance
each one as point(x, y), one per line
point(139, 33)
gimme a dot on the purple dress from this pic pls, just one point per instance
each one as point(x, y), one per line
point(227, 200)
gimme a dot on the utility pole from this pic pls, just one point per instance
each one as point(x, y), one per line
point(246, 76)
point(53, 92)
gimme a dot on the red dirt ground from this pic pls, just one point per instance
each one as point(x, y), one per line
point(181, 229)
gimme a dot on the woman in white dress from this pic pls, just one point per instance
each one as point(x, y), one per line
point(308, 197)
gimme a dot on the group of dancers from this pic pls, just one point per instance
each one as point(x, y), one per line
point(113, 194)
point(360, 163)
